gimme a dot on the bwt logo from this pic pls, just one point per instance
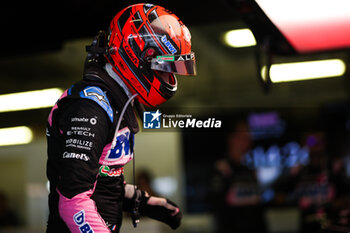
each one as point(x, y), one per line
point(79, 219)
point(151, 120)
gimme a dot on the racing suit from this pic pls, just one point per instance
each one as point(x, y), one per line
point(90, 136)
point(86, 155)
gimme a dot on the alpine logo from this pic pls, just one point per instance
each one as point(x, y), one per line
point(167, 43)
point(100, 98)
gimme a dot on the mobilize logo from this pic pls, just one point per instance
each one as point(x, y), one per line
point(156, 120)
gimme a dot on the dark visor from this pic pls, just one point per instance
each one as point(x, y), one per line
point(184, 64)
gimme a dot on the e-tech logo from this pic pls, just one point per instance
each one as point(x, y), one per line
point(151, 120)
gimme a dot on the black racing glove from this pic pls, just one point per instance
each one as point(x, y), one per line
point(162, 210)
point(157, 208)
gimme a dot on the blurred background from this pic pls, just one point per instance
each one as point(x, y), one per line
point(274, 72)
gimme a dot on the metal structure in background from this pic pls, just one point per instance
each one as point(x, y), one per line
point(278, 38)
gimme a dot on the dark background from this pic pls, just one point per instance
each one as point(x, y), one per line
point(43, 45)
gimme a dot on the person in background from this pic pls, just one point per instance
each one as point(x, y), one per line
point(234, 191)
point(314, 189)
point(7, 217)
point(143, 182)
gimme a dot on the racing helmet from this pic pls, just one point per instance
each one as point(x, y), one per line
point(147, 46)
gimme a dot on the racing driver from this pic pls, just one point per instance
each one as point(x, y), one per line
point(91, 128)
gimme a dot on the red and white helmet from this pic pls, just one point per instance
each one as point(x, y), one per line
point(148, 45)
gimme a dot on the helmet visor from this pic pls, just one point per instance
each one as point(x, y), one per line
point(184, 64)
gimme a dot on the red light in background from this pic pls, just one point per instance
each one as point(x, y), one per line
point(312, 25)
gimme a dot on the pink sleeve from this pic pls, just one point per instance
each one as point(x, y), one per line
point(80, 214)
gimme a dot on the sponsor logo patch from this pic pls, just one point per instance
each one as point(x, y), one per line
point(79, 119)
point(114, 172)
point(72, 155)
point(168, 44)
point(97, 95)
point(122, 146)
point(123, 149)
point(78, 143)
point(79, 220)
point(81, 133)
